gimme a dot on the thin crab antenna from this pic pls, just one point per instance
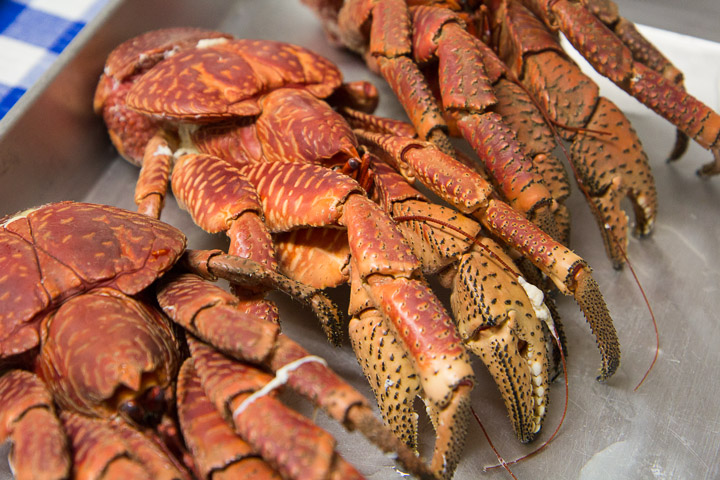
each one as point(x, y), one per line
point(652, 315)
point(502, 461)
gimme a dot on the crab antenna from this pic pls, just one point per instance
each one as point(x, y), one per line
point(502, 461)
point(408, 218)
point(652, 315)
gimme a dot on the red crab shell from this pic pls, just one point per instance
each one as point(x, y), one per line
point(51, 253)
point(229, 78)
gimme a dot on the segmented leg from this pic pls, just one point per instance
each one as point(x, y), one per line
point(559, 263)
point(607, 154)
point(115, 450)
point(216, 449)
point(570, 273)
point(28, 421)
point(439, 42)
point(493, 313)
point(389, 371)
point(642, 51)
point(287, 440)
point(389, 271)
point(607, 53)
point(191, 301)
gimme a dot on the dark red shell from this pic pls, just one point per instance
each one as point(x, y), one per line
point(228, 78)
point(56, 251)
point(142, 52)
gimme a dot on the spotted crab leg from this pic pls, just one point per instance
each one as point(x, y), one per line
point(610, 166)
point(398, 42)
point(642, 51)
point(612, 58)
point(452, 180)
point(493, 313)
point(244, 272)
point(389, 270)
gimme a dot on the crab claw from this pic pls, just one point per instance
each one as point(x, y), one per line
point(501, 324)
point(588, 297)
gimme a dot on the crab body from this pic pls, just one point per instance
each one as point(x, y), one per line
point(73, 271)
point(102, 385)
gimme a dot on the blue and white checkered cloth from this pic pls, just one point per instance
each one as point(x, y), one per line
point(33, 33)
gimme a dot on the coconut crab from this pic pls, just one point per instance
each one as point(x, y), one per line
point(76, 276)
point(428, 52)
point(231, 116)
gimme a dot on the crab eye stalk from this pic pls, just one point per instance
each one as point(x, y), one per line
point(131, 411)
point(147, 409)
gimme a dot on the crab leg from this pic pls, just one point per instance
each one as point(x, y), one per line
point(494, 315)
point(190, 301)
point(28, 420)
point(439, 35)
point(219, 198)
point(392, 377)
point(610, 165)
point(569, 272)
point(219, 453)
point(286, 439)
point(116, 450)
point(154, 177)
point(642, 51)
point(613, 59)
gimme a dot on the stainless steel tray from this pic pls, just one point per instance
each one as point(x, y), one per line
point(52, 147)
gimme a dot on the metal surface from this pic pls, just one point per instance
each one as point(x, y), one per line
point(54, 148)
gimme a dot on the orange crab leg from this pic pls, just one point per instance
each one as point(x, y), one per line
point(440, 34)
point(28, 420)
point(507, 336)
point(217, 450)
point(375, 243)
point(218, 317)
point(642, 51)
point(219, 199)
point(567, 270)
point(388, 268)
point(392, 378)
point(609, 166)
point(286, 439)
point(240, 332)
point(613, 59)
point(116, 450)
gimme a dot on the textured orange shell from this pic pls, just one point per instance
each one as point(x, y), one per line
point(226, 79)
point(56, 251)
